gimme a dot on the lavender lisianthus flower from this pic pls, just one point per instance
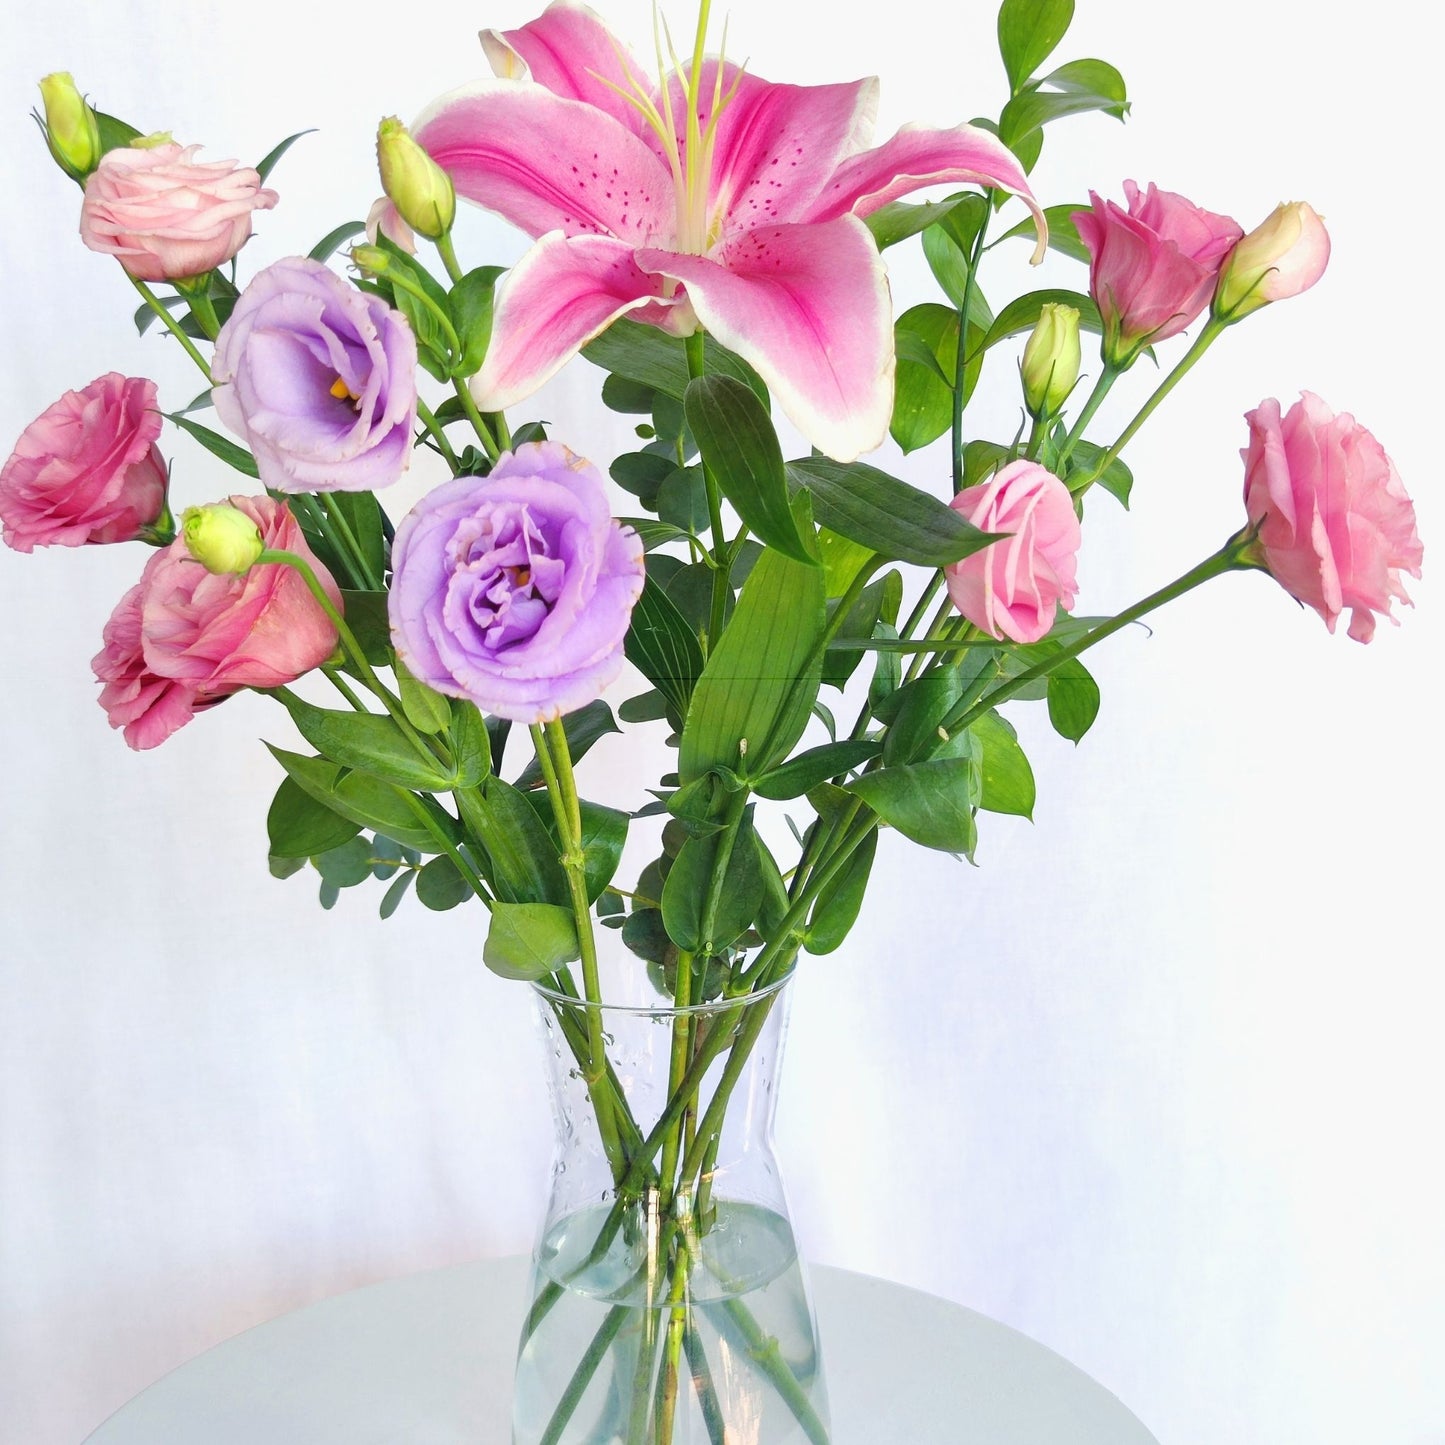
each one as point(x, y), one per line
point(515, 589)
point(319, 378)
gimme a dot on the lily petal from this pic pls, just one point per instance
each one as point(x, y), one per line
point(548, 164)
point(918, 157)
point(808, 306)
point(569, 51)
point(777, 146)
point(560, 295)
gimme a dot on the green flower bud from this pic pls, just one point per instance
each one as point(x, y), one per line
point(370, 258)
point(1051, 359)
point(71, 129)
point(222, 539)
point(418, 187)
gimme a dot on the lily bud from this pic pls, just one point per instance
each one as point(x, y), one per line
point(1051, 359)
point(71, 129)
point(1280, 258)
point(222, 539)
point(419, 188)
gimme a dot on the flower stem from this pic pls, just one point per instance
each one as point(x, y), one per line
point(1107, 378)
point(337, 518)
point(438, 435)
point(484, 434)
point(960, 365)
point(1212, 331)
point(448, 253)
point(721, 576)
point(172, 325)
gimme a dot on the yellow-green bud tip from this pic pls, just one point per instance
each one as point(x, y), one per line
point(370, 258)
point(70, 125)
point(1051, 359)
point(222, 539)
point(416, 185)
point(154, 139)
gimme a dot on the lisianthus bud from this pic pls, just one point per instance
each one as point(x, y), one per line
point(1280, 258)
point(1051, 359)
point(419, 188)
point(222, 539)
point(71, 128)
point(371, 258)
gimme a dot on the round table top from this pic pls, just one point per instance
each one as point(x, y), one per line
point(427, 1360)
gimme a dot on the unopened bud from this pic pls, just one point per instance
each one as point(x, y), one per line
point(1284, 255)
point(370, 258)
point(71, 128)
point(151, 141)
point(419, 188)
point(222, 539)
point(1051, 359)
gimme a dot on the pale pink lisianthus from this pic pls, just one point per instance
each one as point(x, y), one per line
point(183, 637)
point(166, 216)
point(1013, 588)
point(87, 469)
point(1336, 528)
point(1152, 266)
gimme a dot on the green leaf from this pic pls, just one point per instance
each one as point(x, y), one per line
point(145, 316)
point(1034, 109)
point(839, 901)
point(1028, 32)
point(923, 394)
point(265, 168)
point(845, 651)
point(684, 894)
point(367, 801)
point(899, 220)
point(1073, 699)
point(682, 501)
point(982, 459)
point(347, 865)
point(1091, 77)
point(804, 772)
point(372, 744)
point(604, 835)
point(753, 699)
point(645, 707)
point(740, 448)
point(1022, 314)
point(332, 241)
point(522, 857)
point(1008, 780)
point(470, 307)
point(631, 398)
point(896, 520)
point(299, 826)
point(663, 647)
point(528, 941)
point(1116, 478)
point(362, 513)
point(914, 714)
point(391, 899)
point(1063, 234)
point(115, 134)
point(426, 710)
point(653, 534)
point(440, 885)
point(285, 867)
point(649, 356)
point(583, 728)
point(646, 935)
point(217, 445)
point(366, 616)
point(642, 474)
point(931, 803)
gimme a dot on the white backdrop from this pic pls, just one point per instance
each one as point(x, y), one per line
point(1159, 1083)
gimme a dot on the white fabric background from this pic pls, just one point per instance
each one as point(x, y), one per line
point(1159, 1083)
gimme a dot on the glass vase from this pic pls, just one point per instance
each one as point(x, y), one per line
point(668, 1303)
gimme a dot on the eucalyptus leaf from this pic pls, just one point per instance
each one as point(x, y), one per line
point(391, 899)
point(346, 865)
point(440, 885)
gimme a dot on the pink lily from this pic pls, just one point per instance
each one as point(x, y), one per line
point(716, 200)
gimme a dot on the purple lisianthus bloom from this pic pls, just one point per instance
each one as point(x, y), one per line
point(515, 589)
point(319, 378)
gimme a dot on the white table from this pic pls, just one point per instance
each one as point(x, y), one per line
point(427, 1360)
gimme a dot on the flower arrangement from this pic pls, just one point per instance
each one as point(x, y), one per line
point(715, 244)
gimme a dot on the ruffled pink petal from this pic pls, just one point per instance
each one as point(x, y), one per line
point(548, 164)
point(560, 295)
point(918, 157)
point(569, 51)
point(808, 306)
point(777, 146)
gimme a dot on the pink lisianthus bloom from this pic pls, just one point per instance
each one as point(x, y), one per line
point(1336, 528)
point(1152, 267)
point(87, 469)
point(184, 638)
point(166, 216)
point(716, 200)
point(1012, 589)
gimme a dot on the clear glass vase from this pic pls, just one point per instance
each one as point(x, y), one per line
point(668, 1302)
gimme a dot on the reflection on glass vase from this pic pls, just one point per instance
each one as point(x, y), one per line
point(668, 1302)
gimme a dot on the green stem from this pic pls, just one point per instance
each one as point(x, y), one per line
point(944, 614)
point(1229, 558)
point(172, 325)
point(337, 518)
point(448, 253)
point(615, 1318)
point(198, 298)
point(438, 435)
point(721, 579)
point(469, 406)
point(960, 366)
point(1106, 380)
point(1212, 331)
point(702, 1383)
point(677, 1320)
point(764, 1350)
